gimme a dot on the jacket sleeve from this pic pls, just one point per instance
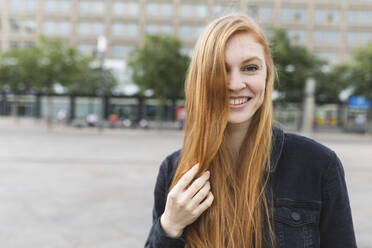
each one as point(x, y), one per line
point(157, 238)
point(336, 225)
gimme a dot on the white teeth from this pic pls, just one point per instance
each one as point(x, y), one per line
point(238, 101)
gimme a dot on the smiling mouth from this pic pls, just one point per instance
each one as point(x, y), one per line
point(239, 100)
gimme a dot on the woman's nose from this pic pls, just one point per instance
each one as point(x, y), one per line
point(235, 82)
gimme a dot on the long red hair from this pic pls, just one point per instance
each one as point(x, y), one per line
point(241, 206)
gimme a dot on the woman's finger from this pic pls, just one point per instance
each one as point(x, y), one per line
point(197, 185)
point(201, 195)
point(185, 179)
point(204, 205)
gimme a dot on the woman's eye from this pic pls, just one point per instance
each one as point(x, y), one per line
point(250, 68)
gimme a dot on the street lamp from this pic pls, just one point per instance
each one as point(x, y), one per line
point(101, 50)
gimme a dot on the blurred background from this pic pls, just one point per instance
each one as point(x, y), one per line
point(91, 101)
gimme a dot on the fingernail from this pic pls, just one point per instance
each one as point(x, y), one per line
point(196, 166)
point(207, 173)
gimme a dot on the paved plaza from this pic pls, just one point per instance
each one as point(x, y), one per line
point(78, 188)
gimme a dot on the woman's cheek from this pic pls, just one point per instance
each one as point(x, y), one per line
point(258, 87)
point(258, 84)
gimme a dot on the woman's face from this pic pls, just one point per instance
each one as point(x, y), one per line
point(246, 74)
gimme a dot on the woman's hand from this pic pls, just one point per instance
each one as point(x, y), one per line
point(184, 205)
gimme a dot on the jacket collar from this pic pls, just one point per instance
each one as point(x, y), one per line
point(276, 147)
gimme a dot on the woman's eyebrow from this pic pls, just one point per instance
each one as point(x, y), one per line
point(247, 61)
point(252, 58)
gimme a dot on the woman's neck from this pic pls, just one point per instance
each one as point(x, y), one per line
point(237, 132)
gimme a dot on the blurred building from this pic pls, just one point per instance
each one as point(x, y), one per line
point(330, 28)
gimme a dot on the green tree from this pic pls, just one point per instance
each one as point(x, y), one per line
point(18, 73)
point(294, 65)
point(355, 74)
point(360, 77)
point(160, 66)
point(63, 64)
point(331, 83)
point(39, 69)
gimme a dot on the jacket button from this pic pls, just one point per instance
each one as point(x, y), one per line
point(295, 216)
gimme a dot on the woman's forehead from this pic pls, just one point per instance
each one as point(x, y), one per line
point(243, 46)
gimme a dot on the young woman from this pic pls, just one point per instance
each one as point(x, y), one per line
point(238, 181)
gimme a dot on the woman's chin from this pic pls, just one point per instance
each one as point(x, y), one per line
point(237, 120)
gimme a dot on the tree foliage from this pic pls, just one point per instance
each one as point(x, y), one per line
point(160, 66)
point(360, 76)
point(355, 74)
point(38, 69)
point(294, 65)
point(331, 83)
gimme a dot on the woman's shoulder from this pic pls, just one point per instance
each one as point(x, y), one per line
point(169, 165)
point(306, 146)
point(171, 160)
point(307, 155)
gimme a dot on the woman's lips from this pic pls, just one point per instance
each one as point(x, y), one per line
point(239, 102)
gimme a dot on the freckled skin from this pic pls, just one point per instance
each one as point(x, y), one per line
point(242, 73)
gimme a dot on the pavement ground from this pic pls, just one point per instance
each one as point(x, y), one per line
point(79, 188)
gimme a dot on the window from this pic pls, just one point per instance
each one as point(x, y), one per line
point(15, 26)
point(359, 38)
point(331, 57)
point(326, 36)
point(328, 16)
point(253, 11)
point(86, 28)
point(50, 6)
point(120, 29)
point(292, 14)
point(29, 44)
point(29, 5)
point(22, 5)
point(297, 35)
point(153, 29)
point(266, 13)
point(29, 26)
point(64, 5)
point(190, 32)
point(57, 6)
point(365, 37)
point(360, 16)
point(57, 28)
point(352, 38)
point(15, 44)
point(193, 10)
point(125, 8)
point(218, 10)
point(117, 51)
point(86, 49)
point(15, 5)
point(159, 9)
point(127, 50)
point(91, 7)
point(268, 33)
point(26, 26)
point(120, 51)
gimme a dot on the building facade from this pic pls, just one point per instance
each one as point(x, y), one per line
point(330, 28)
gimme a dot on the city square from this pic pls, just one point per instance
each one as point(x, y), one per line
point(69, 187)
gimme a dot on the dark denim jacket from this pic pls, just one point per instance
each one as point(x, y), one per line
point(311, 204)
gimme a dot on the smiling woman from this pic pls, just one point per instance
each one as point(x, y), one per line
point(246, 76)
point(238, 180)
